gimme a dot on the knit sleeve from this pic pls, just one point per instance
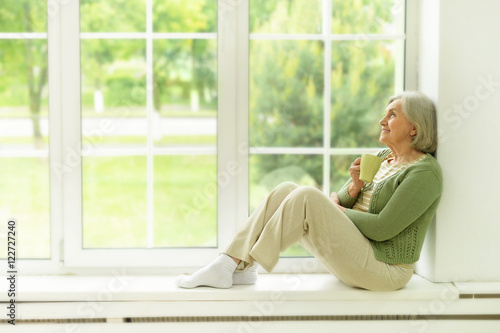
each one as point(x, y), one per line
point(414, 195)
point(345, 199)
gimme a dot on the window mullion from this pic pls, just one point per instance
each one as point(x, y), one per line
point(149, 108)
point(411, 45)
point(54, 47)
point(327, 24)
point(226, 120)
point(71, 129)
point(242, 109)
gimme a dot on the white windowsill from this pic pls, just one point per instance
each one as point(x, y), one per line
point(296, 287)
point(73, 297)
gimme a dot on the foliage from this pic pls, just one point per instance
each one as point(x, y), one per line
point(113, 16)
point(185, 16)
point(263, 14)
point(23, 16)
point(184, 67)
point(364, 16)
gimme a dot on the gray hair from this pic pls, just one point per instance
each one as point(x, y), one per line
point(421, 112)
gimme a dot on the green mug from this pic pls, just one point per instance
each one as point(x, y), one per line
point(369, 167)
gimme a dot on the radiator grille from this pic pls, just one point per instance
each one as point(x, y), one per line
point(205, 319)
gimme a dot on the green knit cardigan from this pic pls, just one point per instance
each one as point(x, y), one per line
point(401, 208)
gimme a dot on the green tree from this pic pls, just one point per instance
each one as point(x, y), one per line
point(26, 56)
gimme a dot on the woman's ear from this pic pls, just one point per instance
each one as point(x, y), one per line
point(413, 131)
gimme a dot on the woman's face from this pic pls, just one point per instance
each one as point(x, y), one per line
point(396, 128)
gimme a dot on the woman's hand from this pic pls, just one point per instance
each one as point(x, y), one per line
point(356, 184)
point(335, 198)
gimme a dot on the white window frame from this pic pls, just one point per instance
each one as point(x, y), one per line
point(233, 148)
point(74, 253)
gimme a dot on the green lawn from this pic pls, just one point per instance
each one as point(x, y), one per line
point(115, 201)
point(27, 199)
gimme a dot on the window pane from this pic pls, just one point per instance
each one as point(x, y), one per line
point(23, 16)
point(180, 119)
point(24, 165)
point(114, 117)
point(23, 94)
point(286, 93)
point(113, 93)
point(368, 16)
point(364, 75)
point(113, 15)
point(185, 201)
point(114, 202)
point(185, 93)
point(285, 16)
point(24, 195)
point(340, 165)
point(185, 16)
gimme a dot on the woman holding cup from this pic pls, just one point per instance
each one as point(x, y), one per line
point(369, 234)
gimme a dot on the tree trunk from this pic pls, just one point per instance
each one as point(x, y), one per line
point(157, 91)
point(193, 93)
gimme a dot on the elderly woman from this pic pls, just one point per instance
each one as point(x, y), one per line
point(368, 235)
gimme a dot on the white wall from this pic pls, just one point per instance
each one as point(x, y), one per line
point(459, 68)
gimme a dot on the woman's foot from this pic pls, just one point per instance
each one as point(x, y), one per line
point(248, 276)
point(218, 274)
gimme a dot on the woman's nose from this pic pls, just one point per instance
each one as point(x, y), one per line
point(382, 121)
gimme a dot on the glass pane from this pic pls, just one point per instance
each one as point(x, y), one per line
point(340, 170)
point(364, 76)
point(113, 93)
point(268, 171)
point(24, 165)
point(24, 195)
point(285, 16)
point(113, 15)
point(185, 92)
point(368, 16)
point(115, 122)
point(286, 93)
point(23, 94)
point(185, 16)
point(23, 16)
point(114, 202)
point(185, 201)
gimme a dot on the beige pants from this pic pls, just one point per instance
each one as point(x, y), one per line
point(293, 214)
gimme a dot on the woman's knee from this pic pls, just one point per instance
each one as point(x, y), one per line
point(286, 187)
point(307, 192)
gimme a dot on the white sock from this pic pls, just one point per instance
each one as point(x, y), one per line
point(218, 274)
point(248, 276)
